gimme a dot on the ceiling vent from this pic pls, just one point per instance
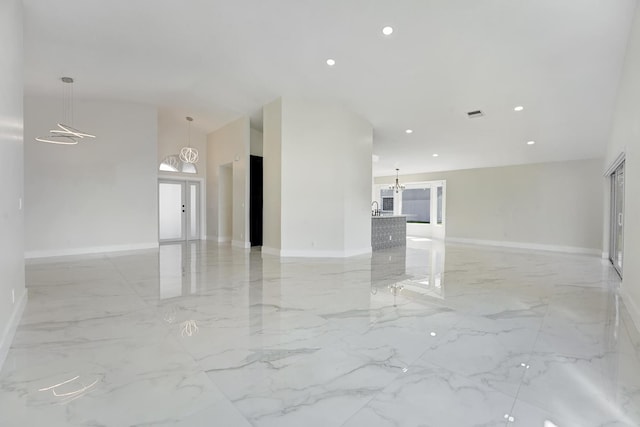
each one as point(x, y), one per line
point(474, 114)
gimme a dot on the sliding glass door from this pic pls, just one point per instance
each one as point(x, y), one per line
point(616, 243)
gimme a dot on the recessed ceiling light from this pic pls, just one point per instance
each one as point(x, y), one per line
point(518, 108)
point(435, 155)
point(331, 62)
point(530, 142)
point(409, 131)
point(387, 31)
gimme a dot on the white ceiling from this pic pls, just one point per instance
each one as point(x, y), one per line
point(217, 60)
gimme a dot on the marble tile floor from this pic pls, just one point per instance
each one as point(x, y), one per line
point(205, 335)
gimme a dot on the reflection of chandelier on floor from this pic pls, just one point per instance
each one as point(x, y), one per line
point(65, 134)
point(189, 154)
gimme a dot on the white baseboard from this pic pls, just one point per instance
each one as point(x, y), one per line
point(10, 330)
point(523, 245)
point(270, 251)
point(605, 255)
point(632, 307)
point(316, 253)
point(240, 244)
point(220, 239)
point(89, 250)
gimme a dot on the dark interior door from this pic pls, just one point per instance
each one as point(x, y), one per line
point(255, 201)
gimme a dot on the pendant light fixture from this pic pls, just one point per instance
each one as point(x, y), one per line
point(66, 134)
point(397, 187)
point(189, 154)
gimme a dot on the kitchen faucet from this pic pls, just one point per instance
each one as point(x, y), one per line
point(376, 211)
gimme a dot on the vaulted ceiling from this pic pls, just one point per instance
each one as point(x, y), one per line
point(217, 60)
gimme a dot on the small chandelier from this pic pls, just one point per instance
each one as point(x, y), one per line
point(397, 187)
point(189, 154)
point(65, 134)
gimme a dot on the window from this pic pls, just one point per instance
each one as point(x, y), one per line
point(416, 205)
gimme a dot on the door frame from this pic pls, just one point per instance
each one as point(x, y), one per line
point(611, 218)
point(616, 219)
point(201, 214)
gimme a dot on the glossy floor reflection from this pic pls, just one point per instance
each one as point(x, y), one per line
point(202, 335)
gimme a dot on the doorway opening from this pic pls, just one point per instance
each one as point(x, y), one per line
point(255, 200)
point(178, 210)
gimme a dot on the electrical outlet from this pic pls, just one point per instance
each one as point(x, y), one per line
point(13, 296)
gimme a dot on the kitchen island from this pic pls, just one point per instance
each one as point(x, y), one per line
point(388, 231)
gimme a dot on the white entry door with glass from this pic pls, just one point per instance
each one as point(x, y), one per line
point(178, 210)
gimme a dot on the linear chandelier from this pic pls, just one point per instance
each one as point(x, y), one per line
point(189, 154)
point(66, 134)
point(397, 186)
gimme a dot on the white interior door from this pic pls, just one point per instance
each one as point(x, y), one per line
point(178, 210)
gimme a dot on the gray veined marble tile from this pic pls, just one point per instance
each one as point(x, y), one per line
point(82, 384)
point(576, 391)
point(322, 388)
point(490, 352)
point(580, 322)
point(187, 334)
point(430, 396)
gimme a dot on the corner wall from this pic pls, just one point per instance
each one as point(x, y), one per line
point(98, 196)
point(625, 138)
point(317, 160)
point(229, 146)
point(13, 294)
point(549, 206)
point(272, 177)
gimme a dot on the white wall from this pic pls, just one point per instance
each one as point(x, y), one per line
point(12, 289)
point(99, 195)
point(545, 205)
point(325, 156)
point(272, 177)
point(172, 136)
point(625, 137)
point(229, 145)
point(256, 143)
point(225, 202)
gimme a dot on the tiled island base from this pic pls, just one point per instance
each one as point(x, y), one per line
point(388, 231)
